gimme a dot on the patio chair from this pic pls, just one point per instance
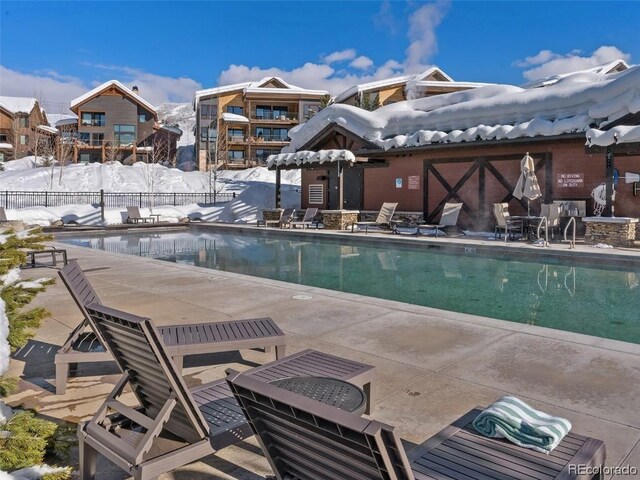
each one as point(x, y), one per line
point(304, 439)
point(288, 214)
point(551, 211)
point(84, 344)
point(134, 216)
point(3, 215)
point(504, 222)
point(382, 221)
point(448, 218)
point(172, 424)
point(307, 220)
point(285, 215)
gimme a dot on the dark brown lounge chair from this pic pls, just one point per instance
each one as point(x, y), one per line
point(174, 425)
point(84, 343)
point(306, 440)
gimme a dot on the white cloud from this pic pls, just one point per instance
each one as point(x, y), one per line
point(547, 63)
point(361, 63)
point(340, 56)
point(422, 34)
point(322, 75)
point(55, 91)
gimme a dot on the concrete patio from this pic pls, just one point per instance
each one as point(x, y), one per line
point(432, 365)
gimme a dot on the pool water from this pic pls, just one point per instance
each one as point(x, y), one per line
point(604, 302)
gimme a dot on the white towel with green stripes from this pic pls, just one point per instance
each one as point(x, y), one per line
point(521, 424)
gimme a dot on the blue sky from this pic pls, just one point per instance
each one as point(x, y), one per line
point(57, 50)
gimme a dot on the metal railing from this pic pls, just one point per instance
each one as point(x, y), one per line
point(270, 115)
point(572, 242)
point(544, 221)
point(15, 199)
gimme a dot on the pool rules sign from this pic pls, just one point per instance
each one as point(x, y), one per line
point(570, 180)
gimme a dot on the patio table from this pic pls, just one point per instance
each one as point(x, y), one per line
point(530, 225)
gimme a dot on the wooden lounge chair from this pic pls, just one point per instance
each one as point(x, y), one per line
point(134, 216)
point(448, 218)
point(304, 439)
point(307, 220)
point(174, 425)
point(84, 344)
point(382, 221)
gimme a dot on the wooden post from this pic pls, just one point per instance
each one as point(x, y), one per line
point(340, 187)
point(277, 187)
point(608, 209)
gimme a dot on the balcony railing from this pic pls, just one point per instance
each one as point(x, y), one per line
point(267, 115)
point(99, 143)
point(270, 138)
point(93, 123)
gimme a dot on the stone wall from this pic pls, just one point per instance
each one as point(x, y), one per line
point(335, 220)
point(616, 234)
point(409, 219)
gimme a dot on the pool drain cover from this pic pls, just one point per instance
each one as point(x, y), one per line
point(302, 297)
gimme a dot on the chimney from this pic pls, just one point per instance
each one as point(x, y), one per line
point(135, 89)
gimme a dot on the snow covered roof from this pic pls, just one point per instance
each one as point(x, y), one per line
point(18, 104)
point(305, 157)
point(76, 102)
point(48, 129)
point(388, 82)
point(495, 112)
point(59, 119)
point(619, 134)
point(6, 146)
point(258, 87)
point(234, 117)
point(171, 129)
point(611, 67)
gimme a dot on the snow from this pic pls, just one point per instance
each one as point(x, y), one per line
point(30, 473)
point(254, 188)
point(59, 119)
point(620, 134)
point(18, 104)
point(306, 157)
point(183, 116)
point(83, 98)
point(47, 128)
point(570, 105)
point(6, 146)
point(234, 117)
point(605, 68)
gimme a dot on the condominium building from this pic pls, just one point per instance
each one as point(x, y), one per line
point(116, 123)
point(240, 125)
point(431, 82)
point(24, 128)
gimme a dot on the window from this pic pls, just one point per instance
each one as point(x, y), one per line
point(280, 134)
point(236, 110)
point(316, 194)
point(124, 134)
point(97, 139)
point(24, 139)
point(3, 138)
point(93, 119)
point(236, 154)
point(85, 158)
point(281, 113)
point(23, 121)
point(85, 137)
point(213, 134)
point(263, 111)
point(236, 134)
point(1, 157)
point(142, 118)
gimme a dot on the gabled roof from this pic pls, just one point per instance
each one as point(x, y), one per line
point(573, 105)
point(389, 82)
point(58, 119)
point(76, 102)
point(606, 68)
point(281, 87)
point(18, 104)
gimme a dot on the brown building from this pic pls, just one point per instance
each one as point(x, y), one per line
point(425, 155)
point(24, 129)
point(240, 125)
point(115, 123)
point(433, 81)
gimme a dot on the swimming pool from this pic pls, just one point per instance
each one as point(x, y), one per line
point(603, 302)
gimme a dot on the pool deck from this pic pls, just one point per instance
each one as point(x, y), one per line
point(432, 366)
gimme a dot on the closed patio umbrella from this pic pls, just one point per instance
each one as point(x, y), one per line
point(527, 185)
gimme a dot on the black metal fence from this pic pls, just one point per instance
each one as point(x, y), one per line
point(13, 199)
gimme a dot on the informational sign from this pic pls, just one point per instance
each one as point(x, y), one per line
point(413, 182)
point(570, 180)
point(398, 183)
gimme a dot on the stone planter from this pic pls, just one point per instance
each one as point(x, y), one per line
point(615, 231)
point(339, 219)
point(272, 214)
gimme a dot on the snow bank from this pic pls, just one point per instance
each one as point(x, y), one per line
point(31, 473)
point(571, 104)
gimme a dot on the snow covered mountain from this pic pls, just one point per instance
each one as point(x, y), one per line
point(182, 115)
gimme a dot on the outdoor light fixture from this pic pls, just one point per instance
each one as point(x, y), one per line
point(633, 178)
